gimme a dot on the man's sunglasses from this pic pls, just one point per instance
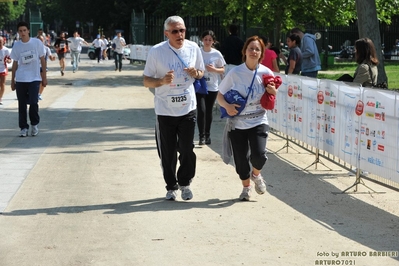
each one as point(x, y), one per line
point(176, 31)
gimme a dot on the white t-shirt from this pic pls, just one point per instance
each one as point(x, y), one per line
point(177, 98)
point(119, 44)
point(215, 58)
point(239, 78)
point(98, 43)
point(75, 44)
point(28, 55)
point(104, 45)
point(4, 53)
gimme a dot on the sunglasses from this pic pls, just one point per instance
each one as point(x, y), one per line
point(176, 31)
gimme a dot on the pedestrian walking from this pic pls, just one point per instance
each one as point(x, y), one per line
point(246, 134)
point(171, 68)
point(214, 68)
point(75, 45)
point(28, 54)
point(118, 43)
point(4, 60)
point(62, 47)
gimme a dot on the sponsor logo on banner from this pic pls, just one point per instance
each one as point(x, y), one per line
point(381, 147)
point(320, 97)
point(359, 108)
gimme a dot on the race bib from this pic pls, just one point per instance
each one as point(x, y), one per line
point(62, 45)
point(253, 108)
point(27, 57)
point(179, 100)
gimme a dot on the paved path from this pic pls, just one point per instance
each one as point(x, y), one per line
point(88, 190)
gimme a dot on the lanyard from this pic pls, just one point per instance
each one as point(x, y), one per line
point(252, 83)
point(179, 57)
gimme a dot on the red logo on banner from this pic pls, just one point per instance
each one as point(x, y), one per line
point(290, 90)
point(332, 130)
point(320, 97)
point(381, 147)
point(359, 108)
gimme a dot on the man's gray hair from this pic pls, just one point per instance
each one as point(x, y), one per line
point(172, 20)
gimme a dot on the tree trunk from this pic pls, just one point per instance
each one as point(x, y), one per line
point(368, 26)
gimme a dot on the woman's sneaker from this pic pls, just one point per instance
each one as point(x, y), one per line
point(245, 194)
point(260, 185)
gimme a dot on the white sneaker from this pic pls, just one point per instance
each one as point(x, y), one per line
point(23, 132)
point(186, 193)
point(171, 195)
point(245, 194)
point(35, 130)
point(260, 185)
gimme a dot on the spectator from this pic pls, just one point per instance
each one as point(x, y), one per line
point(270, 57)
point(295, 56)
point(310, 55)
point(231, 48)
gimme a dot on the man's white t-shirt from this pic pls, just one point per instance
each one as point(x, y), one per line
point(177, 98)
point(75, 44)
point(215, 58)
point(119, 44)
point(98, 43)
point(4, 53)
point(28, 57)
point(239, 78)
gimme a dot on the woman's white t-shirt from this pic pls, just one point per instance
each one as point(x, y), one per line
point(4, 53)
point(239, 78)
point(215, 58)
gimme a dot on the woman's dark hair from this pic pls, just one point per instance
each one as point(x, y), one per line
point(210, 33)
point(252, 39)
point(295, 37)
point(365, 51)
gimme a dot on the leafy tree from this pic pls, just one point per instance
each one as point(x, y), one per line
point(369, 27)
point(9, 11)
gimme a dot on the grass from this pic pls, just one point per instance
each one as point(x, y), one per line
point(338, 69)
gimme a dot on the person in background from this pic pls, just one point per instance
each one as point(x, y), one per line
point(48, 55)
point(231, 48)
point(4, 60)
point(28, 54)
point(104, 47)
point(311, 63)
point(246, 134)
point(98, 43)
point(75, 45)
point(366, 72)
point(171, 68)
point(270, 57)
point(119, 43)
point(214, 68)
point(295, 56)
point(62, 47)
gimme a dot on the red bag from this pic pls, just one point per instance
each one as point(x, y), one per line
point(267, 100)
